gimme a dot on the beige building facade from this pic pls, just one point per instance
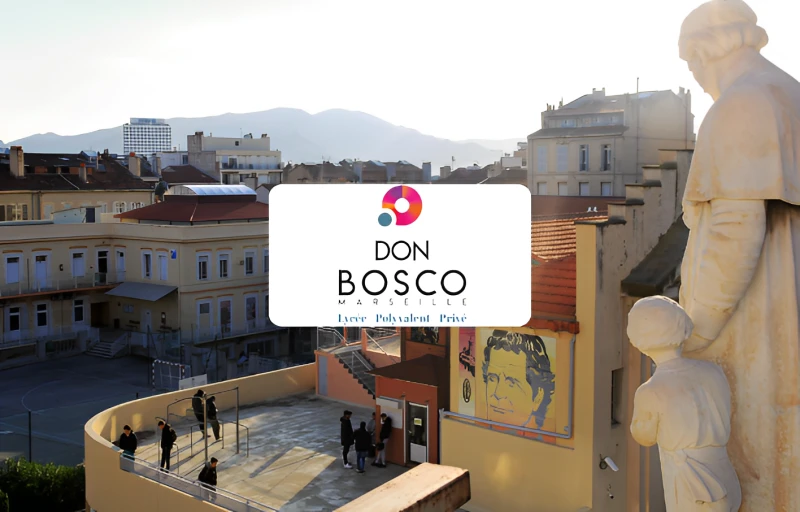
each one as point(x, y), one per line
point(235, 160)
point(597, 144)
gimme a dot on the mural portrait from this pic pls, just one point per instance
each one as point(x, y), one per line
point(429, 335)
point(467, 348)
point(517, 377)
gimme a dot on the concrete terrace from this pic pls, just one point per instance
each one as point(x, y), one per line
point(295, 454)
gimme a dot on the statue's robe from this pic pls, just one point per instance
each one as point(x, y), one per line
point(742, 261)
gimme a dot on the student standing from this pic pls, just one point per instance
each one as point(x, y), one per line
point(347, 437)
point(363, 443)
point(128, 442)
point(168, 438)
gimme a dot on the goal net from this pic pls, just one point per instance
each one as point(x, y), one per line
point(166, 375)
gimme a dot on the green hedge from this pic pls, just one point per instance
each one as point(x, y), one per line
point(41, 487)
point(3, 502)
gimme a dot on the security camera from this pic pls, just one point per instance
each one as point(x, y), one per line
point(608, 462)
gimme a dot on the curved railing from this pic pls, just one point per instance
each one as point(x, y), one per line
point(110, 487)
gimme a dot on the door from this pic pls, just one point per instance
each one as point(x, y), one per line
point(78, 265)
point(147, 325)
point(120, 266)
point(13, 323)
point(205, 327)
point(225, 306)
point(322, 367)
point(162, 267)
point(102, 267)
point(12, 269)
point(42, 320)
point(250, 312)
point(417, 419)
point(41, 271)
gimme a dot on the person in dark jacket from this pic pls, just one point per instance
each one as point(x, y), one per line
point(128, 442)
point(168, 438)
point(386, 431)
point(211, 407)
point(363, 443)
point(208, 477)
point(347, 437)
point(197, 407)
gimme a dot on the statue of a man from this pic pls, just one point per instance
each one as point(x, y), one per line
point(685, 408)
point(740, 273)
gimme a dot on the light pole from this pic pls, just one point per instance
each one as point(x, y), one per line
point(30, 415)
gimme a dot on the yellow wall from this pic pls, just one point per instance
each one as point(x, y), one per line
point(514, 473)
point(108, 488)
point(60, 200)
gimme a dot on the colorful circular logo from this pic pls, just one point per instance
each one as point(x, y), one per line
point(399, 196)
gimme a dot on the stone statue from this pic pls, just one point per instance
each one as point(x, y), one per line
point(685, 408)
point(740, 280)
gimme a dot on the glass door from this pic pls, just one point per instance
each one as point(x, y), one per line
point(417, 419)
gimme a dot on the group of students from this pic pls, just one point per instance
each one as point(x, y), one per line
point(364, 440)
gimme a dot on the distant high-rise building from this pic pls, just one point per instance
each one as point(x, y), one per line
point(146, 136)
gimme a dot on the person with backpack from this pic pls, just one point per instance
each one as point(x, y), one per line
point(363, 443)
point(168, 438)
point(208, 477)
point(211, 407)
point(386, 431)
point(197, 407)
point(128, 442)
point(347, 437)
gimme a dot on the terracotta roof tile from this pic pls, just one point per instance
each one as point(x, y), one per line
point(186, 174)
point(201, 209)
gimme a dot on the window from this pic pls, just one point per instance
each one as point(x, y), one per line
point(77, 311)
point(147, 265)
point(184, 159)
point(14, 212)
point(14, 319)
point(541, 158)
point(541, 188)
point(266, 309)
point(266, 261)
point(67, 206)
point(232, 163)
point(583, 160)
point(568, 123)
point(562, 153)
point(617, 413)
point(224, 265)
point(605, 165)
point(41, 315)
point(583, 188)
point(202, 267)
point(120, 261)
point(225, 314)
point(249, 263)
point(605, 188)
point(119, 206)
point(204, 308)
point(162, 266)
point(562, 189)
point(78, 264)
point(250, 311)
point(102, 207)
point(12, 269)
point(614, 120)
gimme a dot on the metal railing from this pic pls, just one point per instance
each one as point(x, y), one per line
point(373, 343)
point(36, 284)
point(353, 360)
point(329, 337)
point(59, 333)
point(222, 436)
point(220, 497)
point(216, 332)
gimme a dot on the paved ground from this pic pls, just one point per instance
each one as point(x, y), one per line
point(63, 394)
point(295, 456)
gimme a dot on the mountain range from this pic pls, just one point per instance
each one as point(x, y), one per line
point(301, 137)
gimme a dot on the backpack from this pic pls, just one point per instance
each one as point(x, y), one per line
point(173, 435)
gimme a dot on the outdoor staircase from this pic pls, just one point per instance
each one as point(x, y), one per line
point(109, 348)
point(358, 366)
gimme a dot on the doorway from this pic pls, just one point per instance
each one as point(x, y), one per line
point(147, 325)
point(417, 425)
point(41, 271)
point(102, 267)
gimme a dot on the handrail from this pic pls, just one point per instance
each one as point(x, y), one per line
point(205, 491)
point(375, 342)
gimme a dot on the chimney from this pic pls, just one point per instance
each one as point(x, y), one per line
point(158, 165)
point(17, 161)
point(264, 135)
point(82, 172)
point(134, 165)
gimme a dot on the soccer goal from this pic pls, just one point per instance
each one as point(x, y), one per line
point(167, 375)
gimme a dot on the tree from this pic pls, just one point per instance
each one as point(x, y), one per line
point(33, 486)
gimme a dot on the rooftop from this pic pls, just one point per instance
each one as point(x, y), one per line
point(661, 265)
point(59, 171)
point(186, 174)
point(295, 455)
point(206, 208)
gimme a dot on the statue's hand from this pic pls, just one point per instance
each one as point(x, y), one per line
point(696, 343)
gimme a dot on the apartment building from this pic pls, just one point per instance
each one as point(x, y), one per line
point(33, 186)
point(325, 172)
point(144, 136)
point(194, 268)
point(596, 144)
point(235, 160)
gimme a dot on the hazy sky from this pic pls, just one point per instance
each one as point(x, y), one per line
point(450, 68)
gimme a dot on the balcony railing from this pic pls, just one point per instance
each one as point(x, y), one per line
point(60, 333)
point(201, 334)
point(33, 284)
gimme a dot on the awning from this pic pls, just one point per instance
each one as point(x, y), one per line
point(142, 291)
